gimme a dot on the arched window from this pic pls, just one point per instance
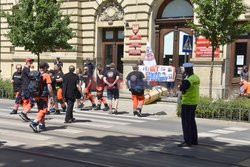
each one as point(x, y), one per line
point(178, 8)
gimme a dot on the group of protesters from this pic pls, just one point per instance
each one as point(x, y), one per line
point(51, 88)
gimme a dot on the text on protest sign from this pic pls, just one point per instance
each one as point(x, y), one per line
point(158, 73)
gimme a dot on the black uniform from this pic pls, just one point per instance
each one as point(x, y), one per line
point(70, 81)
point(58, 75)
point(17, 85)
point(25, 83)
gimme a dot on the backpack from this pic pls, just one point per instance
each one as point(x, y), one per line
point(138, 90)
point(35, 83)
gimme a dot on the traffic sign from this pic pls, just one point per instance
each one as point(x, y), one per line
point(187, 44)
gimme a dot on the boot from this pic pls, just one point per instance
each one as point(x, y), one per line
point(138, 112)
point(33, 126)
point(57, 112)
point(41, 127)
point(98, 107)
point(13, 112)
point(106, 107)
point(93, 106)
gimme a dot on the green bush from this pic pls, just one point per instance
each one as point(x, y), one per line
point(6, 89)
point(237, 109)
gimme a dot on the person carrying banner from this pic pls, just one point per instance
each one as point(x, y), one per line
point(190, 99)
point(135, 82)
point(100, 88)
point(40, 94)
point(111, 78)
point(17, 87)
point(171, 80)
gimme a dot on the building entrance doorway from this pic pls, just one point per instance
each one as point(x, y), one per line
point(171, 45)
point(113, 47)
point(171, 27)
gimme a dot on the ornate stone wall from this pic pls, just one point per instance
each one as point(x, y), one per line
point(89, 17)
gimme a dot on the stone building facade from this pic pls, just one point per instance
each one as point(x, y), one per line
point(103, 33)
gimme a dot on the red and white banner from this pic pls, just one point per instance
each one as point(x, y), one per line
point(149, 59)
point(204, 48)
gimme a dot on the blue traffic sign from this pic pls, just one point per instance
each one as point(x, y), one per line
point(187, 44)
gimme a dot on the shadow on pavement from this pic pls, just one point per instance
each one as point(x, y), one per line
point(127, 151)
point(81, 121)
point(56, 127)
point(121, 112)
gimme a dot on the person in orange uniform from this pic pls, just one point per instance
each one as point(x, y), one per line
point(135, 82)
point(100, 88)
point(87, 79)
point(246, 89)
point(38, 124)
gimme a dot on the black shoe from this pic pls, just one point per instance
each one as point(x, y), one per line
point(93, 106)
point(115, 111)
point(98, 107)
point(184, 144)
point(64, 109)
point(138, 111)
point(13, 112)
point(24, 117)
point(33, 126)
point(72, 120)
point(106, 108)
point(57, 112)
point(41, 127)
point(67, 122)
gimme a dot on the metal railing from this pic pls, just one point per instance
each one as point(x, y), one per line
point(225, 113)
point(6, 94)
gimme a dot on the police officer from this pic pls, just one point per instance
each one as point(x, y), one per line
point(190, 99)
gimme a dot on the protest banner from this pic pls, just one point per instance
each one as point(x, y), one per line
point(157, 73)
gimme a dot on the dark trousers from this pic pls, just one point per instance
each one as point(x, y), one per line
point(70, 106)
point(188, 124)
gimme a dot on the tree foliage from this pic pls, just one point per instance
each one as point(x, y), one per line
point(218, 21)
point(38, 26)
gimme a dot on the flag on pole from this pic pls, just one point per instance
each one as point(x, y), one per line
point(149, 59)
